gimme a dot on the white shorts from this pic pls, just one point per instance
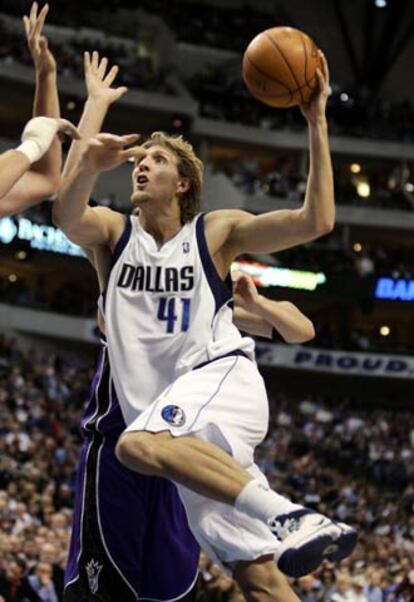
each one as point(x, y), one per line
point(224, 533)
point(225, 403)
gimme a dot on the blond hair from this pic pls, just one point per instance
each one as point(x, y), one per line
point(189, 166)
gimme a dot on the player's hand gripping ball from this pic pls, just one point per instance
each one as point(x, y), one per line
point(279, 67)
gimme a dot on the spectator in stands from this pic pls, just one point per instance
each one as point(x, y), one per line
point(42, 583)
point(14, 585)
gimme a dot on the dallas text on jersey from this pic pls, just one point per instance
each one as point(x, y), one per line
point(156, 279)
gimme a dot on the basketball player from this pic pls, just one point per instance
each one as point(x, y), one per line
point(96, 563)
point(130, 537)
point(31, 172)
point(171, 339)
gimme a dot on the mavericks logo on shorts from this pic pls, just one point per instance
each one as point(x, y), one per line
point(173, 415)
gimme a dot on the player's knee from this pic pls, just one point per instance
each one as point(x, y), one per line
point(136, 451)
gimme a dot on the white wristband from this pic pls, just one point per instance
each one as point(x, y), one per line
point(31, 149)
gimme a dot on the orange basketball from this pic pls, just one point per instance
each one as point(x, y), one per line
point(279, 67)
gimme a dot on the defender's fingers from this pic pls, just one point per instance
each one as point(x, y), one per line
point(68, 128)
point(102, 67)
point(123, 140)
point(134, 153)
point(94, 142)
point(121, 91)
point(86, 61)
point(26, 24)
point(111, 75)
point(237, 275)
point(41, 20)
point(33, 14)
point(95, 59)
point(111, 140)
point(130, 138)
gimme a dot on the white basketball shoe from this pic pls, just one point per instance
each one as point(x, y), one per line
point(307, 538)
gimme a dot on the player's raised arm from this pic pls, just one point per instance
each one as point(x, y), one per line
point(85, 225)
point(81, 223)
point(101, 95)
point(19, 187)
point(258, 315)
point(277, 230)
point(46, 100)
point(34, 173)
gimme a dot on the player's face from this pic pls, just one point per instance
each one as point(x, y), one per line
point(155, 176)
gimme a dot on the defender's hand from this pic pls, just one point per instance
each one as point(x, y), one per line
point(43, 59)
point(107, 151)
point(39, 134)
point(244, 291)
point(316, 109)
point(98, 80)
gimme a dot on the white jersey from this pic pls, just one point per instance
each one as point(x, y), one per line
point(166, 311)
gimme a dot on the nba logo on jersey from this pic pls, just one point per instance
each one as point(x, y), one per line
point(93, 570)
point(186, 247)
point(173, 415)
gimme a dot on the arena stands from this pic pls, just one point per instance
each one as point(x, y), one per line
point(370, 485)
point(333, 451)
point(218, 88)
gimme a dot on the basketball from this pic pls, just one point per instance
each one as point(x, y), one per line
point(279, 67)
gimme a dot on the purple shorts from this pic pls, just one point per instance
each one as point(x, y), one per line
point(130, 537)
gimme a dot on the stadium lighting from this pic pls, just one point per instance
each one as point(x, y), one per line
point(380, 3)
point(385, 331)
point(355, 168)
point(363, 190)
point(266, 275)
point(357, 247)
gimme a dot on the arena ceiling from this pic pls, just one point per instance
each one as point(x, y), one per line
point(367, 42)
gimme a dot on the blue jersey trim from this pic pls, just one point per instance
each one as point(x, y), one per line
point(119, 247)
point(221, 290)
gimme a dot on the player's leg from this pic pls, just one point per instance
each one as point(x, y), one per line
point(199, 407)
point(217, 476)
point(260, 581)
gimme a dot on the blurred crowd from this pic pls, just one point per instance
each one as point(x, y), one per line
point(219, 89)
point(204, 24)
point(388, 187)
point(369, 484)
point(223, 95)
point(40, 408)
point(135, 71)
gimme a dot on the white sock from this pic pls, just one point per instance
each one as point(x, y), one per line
point(261, 502)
